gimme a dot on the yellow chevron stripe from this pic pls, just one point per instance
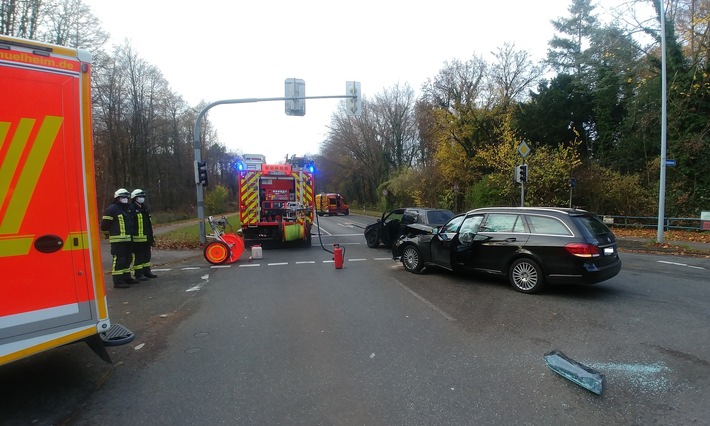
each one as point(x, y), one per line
point(15, 246)
point(82, 241)
point(12, 157)
point(29, 175)
point(4, 128)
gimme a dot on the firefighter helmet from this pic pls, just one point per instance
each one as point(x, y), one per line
point(137, 193)
point(121, 192)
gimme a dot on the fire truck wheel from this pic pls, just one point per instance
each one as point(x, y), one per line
point(217, 252)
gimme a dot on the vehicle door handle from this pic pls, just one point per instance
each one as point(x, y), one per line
point(510, 240)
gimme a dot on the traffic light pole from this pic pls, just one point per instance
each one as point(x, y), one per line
point(198, 149)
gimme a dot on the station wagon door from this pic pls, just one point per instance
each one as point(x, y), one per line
point(499, 238)
point(442, 244)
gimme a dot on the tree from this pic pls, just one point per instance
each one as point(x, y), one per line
point(512, 75)
point(460, 93)
point(71, 23)
point(566, 49)
point(20, 18)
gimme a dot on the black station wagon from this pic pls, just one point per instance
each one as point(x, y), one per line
point(530, 246)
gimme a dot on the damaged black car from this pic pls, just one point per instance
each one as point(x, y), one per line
point(531, 247)
point(404, 221)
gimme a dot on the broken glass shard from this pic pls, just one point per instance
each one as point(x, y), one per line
point(575, 372)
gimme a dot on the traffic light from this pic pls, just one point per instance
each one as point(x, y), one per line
point(295, 88)
point(353, 104)
point(521, 173)
point(202, 172)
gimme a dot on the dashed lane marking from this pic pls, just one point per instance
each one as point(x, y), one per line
point(300, 262)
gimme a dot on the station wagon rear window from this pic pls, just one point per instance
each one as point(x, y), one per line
point(547, 225)
point(499, 222)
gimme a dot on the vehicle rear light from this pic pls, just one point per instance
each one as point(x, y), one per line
point(582, 250)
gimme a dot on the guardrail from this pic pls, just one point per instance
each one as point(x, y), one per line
point(685, 223)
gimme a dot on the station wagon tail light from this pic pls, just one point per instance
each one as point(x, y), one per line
point(582, 250)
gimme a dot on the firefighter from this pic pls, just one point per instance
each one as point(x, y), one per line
point(142, 235)
point(116, 222)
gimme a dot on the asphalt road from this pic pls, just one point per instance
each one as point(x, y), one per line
point(289, 339)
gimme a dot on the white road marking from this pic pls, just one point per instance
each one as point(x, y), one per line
point(680, 264)
point(190, 268)
point(307, 261)
point(277, 264)
point(672, 263)
point(220, 266)
point(356, 260)
point(426, 302)
point(383, 258)
point(197, 287)
point(249, 265)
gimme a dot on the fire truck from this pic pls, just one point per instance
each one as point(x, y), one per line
point(52, 289)
point(331, 204)
point(276, 203)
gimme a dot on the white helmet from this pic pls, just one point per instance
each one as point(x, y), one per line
point(121, 192)
point(137, 193)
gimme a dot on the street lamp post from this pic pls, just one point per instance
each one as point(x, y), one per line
point(662, 185)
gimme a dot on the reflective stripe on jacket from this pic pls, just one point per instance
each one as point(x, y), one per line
point(142, 226)
point(117, 223)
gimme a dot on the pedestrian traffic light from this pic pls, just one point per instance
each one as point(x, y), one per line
point(202, 172)
point(521, 175)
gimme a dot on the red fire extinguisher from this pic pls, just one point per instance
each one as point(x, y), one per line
point(338, 256)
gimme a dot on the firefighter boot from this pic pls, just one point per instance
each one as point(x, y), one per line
point(118, 282)
point(147, 273)
point(128, 280)
point(140, 275)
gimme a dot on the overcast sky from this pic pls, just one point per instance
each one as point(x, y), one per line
point(231, 49)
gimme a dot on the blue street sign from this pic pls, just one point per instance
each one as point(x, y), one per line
point(670, 163)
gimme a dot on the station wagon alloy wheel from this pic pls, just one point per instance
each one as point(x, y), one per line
point(526, 276)
point(412, 259)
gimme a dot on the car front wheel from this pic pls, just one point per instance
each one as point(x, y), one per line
point(526, 276)
point(412, 259)
point(372, 240)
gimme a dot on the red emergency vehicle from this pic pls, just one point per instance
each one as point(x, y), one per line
point(52, 290)
point(331, 204)
point(276, 201)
